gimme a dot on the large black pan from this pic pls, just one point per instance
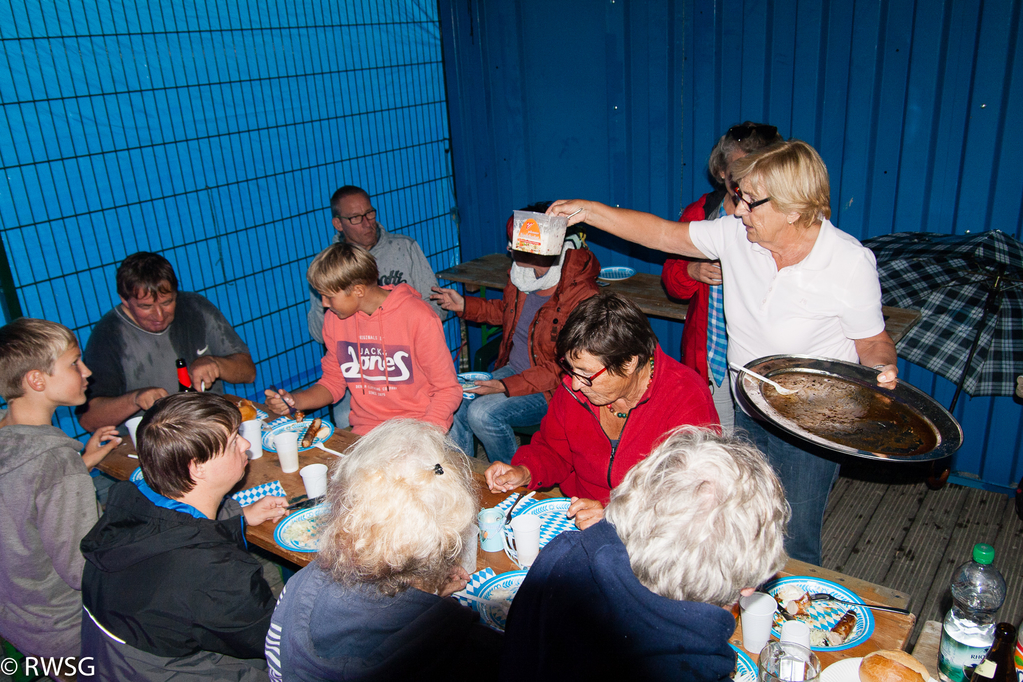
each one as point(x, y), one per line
point(839, 406)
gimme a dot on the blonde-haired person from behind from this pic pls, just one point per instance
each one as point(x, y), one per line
point(646, 593)
point(374, 604)
point(48, 499)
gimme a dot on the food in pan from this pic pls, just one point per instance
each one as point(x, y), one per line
point(892, 666)
point(311, 433)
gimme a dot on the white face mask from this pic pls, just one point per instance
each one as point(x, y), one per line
point(525, 279)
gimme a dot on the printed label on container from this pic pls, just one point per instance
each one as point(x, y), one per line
point(1019, 661)
point(955, 656)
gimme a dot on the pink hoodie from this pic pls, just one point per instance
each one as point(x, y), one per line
point(406, 369)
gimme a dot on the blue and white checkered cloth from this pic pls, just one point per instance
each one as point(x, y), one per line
point(717, 338)
point(250, 495)
point(475, 580)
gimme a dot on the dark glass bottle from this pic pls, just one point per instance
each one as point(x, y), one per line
point(184, 381)
point(998, 665)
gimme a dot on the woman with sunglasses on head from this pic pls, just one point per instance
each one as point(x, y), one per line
point(704, 338)
point(620, 393)
point(793, 284)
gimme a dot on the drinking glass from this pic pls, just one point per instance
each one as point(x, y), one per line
point(788, 662)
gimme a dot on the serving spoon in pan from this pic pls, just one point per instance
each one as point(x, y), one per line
point(778, 387)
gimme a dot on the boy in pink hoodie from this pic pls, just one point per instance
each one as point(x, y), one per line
point(384, 343)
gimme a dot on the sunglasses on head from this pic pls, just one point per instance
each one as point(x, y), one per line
point(746, 130)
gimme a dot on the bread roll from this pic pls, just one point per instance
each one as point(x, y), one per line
point(247, 409)
point(890, 665)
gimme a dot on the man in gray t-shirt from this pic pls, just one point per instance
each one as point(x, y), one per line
point(133, 348)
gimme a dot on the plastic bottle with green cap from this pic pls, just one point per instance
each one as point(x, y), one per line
point(978, 590)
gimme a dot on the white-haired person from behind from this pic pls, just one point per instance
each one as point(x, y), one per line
point(646, 593)
point(374, 604)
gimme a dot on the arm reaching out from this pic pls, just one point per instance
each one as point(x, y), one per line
point(634, 226)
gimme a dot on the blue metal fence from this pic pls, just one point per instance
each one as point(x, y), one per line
point(215, 132)
point(911, 105)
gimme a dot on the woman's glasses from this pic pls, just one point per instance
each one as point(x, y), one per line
point(750, 205)
point(584, 380)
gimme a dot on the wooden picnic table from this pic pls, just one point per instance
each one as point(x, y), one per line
point(891, 631)
point(643, 289)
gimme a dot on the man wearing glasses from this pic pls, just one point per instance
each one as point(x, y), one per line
point(400, 260)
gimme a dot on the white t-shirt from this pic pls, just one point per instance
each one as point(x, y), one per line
point(815, 307)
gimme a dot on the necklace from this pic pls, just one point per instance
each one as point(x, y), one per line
point(623, 415)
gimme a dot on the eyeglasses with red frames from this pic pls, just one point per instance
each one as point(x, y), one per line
point(584, 380)
point(740, 199)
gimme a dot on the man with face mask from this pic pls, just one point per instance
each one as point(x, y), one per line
point(542, 290)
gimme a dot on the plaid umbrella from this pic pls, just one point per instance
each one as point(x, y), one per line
point(968, 288)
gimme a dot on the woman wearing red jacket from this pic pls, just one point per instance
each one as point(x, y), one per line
point(698, 280)
point(621, 393)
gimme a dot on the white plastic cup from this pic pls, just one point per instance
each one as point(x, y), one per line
point(526, 532)
point(314, 477)
point(796, 632)
point(286, 443)
point(468, 558)
point(132, 425)
point(252, 431)
point(757, 618)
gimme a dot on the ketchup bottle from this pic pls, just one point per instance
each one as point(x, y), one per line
point(184, 381)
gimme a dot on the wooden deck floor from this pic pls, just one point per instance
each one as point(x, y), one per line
point(884, 525)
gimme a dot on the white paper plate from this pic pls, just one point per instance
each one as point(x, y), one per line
point(846, 670)
point(466, 379)
point(310, 540)
point(616, 273)
point(823, 614)
point(300, 428)
point(745, 668)
point(501, 588)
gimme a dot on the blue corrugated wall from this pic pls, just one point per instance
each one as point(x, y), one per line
point(215, 132)
point(913, 106)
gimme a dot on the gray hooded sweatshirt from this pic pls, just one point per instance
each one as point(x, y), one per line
point(47, 505)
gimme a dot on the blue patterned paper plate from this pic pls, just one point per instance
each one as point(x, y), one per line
point(466, 379)
point(615, 273)
point(287, 424)
point(823, 615)
point(553, 521)
point(745, 668)
point(500, 588)
point(300, 531)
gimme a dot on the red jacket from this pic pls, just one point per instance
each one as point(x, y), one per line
point(572, 451)
point(578, 282)
point(678, 283)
